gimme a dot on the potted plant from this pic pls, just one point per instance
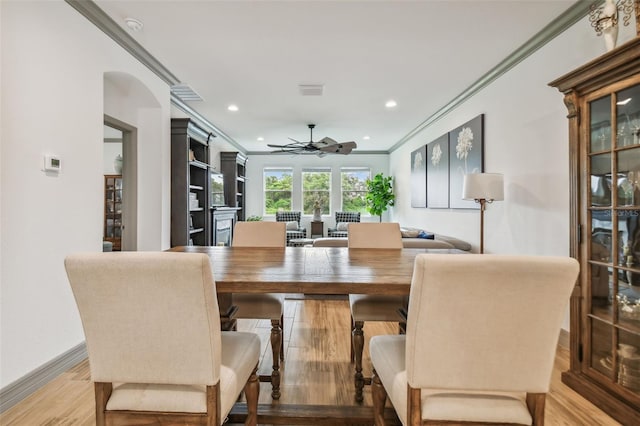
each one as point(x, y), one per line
point(380, 194)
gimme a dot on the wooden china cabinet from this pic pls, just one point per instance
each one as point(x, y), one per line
point(112, 231)
point(603, 100)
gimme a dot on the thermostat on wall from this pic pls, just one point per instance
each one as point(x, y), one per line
point(52, 163)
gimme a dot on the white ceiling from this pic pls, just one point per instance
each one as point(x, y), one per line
point(255, 54)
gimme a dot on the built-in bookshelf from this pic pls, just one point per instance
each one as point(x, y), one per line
point(233, 166)
point(190, 175)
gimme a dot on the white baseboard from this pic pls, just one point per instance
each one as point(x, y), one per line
point(15, 392)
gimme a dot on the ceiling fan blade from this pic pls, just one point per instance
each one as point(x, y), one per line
point(340, 148)
point(294, 152)
point(324, 142)
point(289, 145)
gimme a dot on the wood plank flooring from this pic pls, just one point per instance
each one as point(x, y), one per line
point(316, 370)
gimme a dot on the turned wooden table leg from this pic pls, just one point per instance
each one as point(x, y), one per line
point(358, 347)
point(276, 347)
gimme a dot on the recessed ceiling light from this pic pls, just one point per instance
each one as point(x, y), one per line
point(366, 138)
point(133, 24)
point(624, 102)
point(260, 138)
point(233, 107)
point(391, 104)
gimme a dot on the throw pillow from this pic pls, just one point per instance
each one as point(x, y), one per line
point(292, 226)
point(426, 235)
point(410, 232)
point(342, 226)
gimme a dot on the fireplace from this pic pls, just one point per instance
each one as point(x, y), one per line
point(223, 219)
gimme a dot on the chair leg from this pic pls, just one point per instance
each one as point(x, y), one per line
point(213, 405)
point(252, 392)
point(414, 406)
point(351, 339)
point(535, 404)
point(358, 347)
point(379, 395)
point(102, 392)
point(276, 342)
point(282, 339)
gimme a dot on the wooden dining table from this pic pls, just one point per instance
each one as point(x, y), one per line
point(309, 270)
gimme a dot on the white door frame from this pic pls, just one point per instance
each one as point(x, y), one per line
point(129, 182)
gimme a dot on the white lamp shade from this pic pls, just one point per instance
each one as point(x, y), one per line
point(483, 186)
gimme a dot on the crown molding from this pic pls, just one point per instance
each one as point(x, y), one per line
point(204, 123)
point(359, 152)
point(569, 17)
point(100, 19)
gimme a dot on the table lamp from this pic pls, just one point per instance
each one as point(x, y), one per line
point(483, 188)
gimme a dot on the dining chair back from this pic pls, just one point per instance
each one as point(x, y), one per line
point(259, 234)
point(140, 311)
point(481, 334)
point(381, 235)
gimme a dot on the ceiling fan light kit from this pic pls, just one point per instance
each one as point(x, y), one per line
point(322, 147)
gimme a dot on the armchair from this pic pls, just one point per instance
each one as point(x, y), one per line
point(293, 231)
point(156, 352)
point(343, 218)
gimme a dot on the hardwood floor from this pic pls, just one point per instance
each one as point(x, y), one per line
point(316, 370)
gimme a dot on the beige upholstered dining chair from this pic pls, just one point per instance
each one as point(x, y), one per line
point(367, 307)
point(269, 306)
point(481, 340)
point(156, 352)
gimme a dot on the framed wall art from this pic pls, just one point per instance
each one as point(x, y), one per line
point(419, 177)
point(438, 173)
point(466, 147)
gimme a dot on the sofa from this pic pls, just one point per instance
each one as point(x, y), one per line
point(438, 242)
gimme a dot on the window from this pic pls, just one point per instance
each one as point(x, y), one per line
point(354, 189)
point(277, 190)
point(316, 185)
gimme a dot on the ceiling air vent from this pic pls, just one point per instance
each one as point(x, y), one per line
point(311, 89)
point(185, 92)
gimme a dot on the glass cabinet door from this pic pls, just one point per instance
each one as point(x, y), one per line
point(113, 210)
point(613, 208)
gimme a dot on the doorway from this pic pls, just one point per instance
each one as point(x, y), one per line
point(120, 190)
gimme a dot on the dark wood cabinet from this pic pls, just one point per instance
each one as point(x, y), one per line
point(603, 100)
point(190, 184)
point(233, 166)
point(317, 229)
point(113, 211)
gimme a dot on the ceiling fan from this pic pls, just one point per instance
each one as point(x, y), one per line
point(322, 147)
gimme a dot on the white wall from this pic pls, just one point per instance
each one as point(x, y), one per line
point(526, 138)
point(52, 102)
point(378, 163)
